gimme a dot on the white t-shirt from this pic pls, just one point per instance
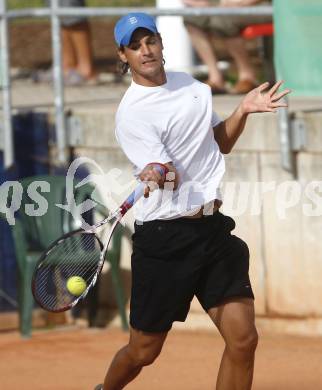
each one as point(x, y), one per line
point(172, 123)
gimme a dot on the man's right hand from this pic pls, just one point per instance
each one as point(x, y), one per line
point(155, 180)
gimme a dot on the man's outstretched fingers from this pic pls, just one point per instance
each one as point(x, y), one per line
point(280, 95)
point(263, 86)
point(275, 87)
point(278, 105)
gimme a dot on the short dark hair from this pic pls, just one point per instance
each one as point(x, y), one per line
point(122, 67)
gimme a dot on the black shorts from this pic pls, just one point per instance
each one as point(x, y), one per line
point(173, 260)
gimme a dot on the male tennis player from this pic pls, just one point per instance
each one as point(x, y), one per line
point(184, 247)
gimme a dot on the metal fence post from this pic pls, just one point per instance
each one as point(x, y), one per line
point(6, 88)
point(284, 125)
point(58, 83)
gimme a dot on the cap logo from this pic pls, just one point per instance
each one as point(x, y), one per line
point(133, 20)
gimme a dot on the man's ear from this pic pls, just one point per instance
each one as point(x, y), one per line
point(121, 55)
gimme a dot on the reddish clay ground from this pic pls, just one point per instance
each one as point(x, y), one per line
point(77, 359)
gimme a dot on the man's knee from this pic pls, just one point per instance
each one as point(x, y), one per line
point(243, 345)
point(144, 348)
point(144, 355)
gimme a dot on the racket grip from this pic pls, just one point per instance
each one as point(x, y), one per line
point(139, 190)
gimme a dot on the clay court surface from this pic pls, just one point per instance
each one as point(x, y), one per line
point(76, 359)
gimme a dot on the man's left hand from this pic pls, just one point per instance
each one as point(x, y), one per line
point(262, 100)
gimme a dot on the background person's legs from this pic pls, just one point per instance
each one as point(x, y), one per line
point(77, 55)
point(202, 44)
point(246, 72)
point(230, 29)
point(69, 59)
point(237, 49)
point(235, 320)
point(77, 51)
point(143, 348)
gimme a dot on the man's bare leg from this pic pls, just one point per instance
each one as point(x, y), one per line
point(202, 45)
point(235, 320)
point(143, 348)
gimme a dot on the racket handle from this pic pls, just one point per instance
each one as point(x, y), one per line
point(139, 190)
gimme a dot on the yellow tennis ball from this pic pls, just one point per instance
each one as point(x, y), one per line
point(76, 285)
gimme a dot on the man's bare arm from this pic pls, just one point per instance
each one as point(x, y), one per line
point(258, 100)
point(227, 132)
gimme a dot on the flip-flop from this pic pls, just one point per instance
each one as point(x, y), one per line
point(244, 86)
point(73, 78)
point(42, 76)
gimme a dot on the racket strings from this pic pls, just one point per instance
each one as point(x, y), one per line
point(63, 251)
point(77, 255)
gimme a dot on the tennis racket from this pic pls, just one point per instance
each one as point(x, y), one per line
point(70, 266)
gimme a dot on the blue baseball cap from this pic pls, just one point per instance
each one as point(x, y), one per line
point(126, 26)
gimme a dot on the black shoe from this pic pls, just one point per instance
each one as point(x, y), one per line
point(99, 387)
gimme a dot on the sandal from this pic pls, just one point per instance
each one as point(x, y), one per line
point(215, 90)
point(244, 86)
